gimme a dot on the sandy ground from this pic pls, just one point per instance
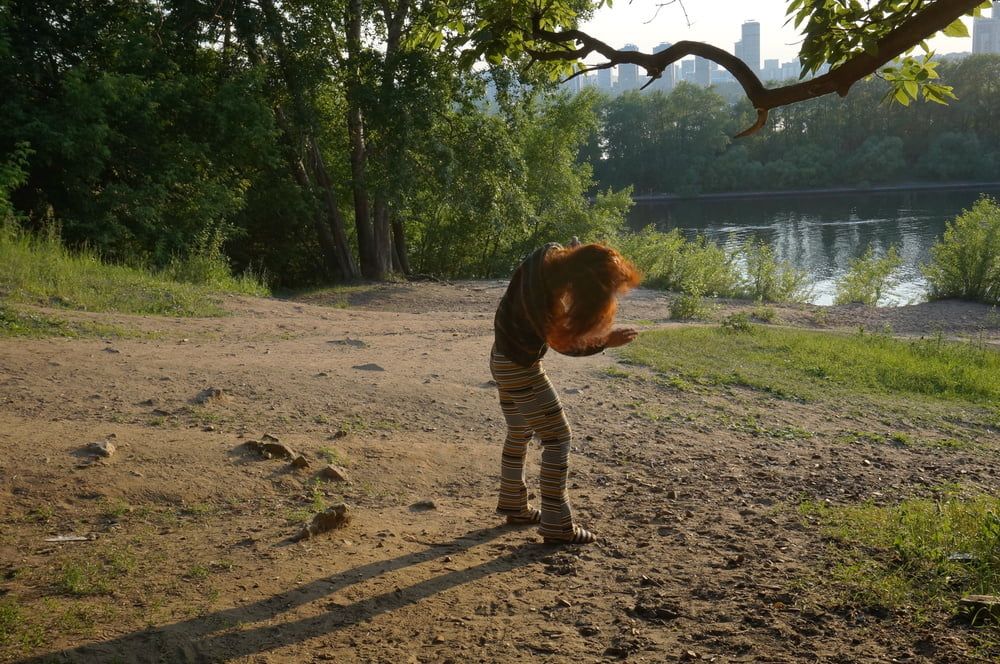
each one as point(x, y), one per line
point(703, 555)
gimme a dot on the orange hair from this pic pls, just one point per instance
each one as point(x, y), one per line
point(584, 282)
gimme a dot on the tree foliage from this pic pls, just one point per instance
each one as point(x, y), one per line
point(331, 139)
point(679, 143)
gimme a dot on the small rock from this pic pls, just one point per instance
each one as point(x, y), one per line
point(109, 349)
point(300, 462)
point(333, 474)
point(270, 449)
point(211, 394)
point(423, 506)
point(353, 343)
point(371, 366)
point(670, 494)
point(866, 462)
point(331, 519)
point(438, 638)
point(104, 448)
point(571, 390)
point(562, 601)
point(980, 608)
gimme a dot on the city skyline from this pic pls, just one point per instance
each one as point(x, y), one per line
point(717, 22)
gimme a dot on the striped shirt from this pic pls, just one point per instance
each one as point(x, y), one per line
point(520, 322)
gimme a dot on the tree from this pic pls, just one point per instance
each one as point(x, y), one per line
point(856, 39)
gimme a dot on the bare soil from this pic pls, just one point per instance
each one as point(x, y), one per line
point(189, 557)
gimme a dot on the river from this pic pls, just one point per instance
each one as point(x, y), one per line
point(822, 232)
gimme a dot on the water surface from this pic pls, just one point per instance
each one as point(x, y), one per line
point(822, 233)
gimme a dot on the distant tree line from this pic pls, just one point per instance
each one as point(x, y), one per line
point(680, 142)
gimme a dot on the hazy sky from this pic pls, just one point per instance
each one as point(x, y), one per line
point(714, 21)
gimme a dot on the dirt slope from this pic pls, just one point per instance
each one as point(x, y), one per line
point(701, 556)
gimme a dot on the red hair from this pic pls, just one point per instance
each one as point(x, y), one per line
point(584, 282)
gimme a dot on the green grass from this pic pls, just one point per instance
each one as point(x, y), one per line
point(38, 269)
point(96, 574)
point(15, 323)
point(806, 364)
point(334, 456)
point(919, 554)
point(10, 621)
point(15, 627)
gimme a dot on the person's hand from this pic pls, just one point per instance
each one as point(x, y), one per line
point(621, 336)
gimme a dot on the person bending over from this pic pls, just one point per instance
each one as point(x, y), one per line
point(564, 298)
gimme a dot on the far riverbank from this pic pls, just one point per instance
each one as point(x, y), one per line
point(829, 191)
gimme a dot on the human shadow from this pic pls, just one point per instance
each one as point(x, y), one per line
point(205, 638)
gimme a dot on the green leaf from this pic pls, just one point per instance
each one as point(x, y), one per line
point(957, 29)
point(911, 88)
point(901, 97)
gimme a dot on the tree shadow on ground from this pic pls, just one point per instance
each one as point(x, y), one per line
point(207, 637)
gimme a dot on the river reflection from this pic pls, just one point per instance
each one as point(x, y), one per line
point(821, 233)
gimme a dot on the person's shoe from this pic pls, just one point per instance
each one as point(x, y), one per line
point(578, 536)
point(529, 516)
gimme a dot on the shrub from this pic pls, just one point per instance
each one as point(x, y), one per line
point(737, 322)
point(686, 306)
point(769, 280)
point(868, 278)
point(965, 263)
point(668, 261)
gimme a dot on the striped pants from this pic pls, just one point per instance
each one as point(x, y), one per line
point(531, 406)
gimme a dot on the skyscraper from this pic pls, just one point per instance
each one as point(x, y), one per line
point(771, 71)
point(628, 74)
point(702, 71)
point(666, 80)
point(748, 47)
point(604, 80)
point(986, 32)
point(687, 70)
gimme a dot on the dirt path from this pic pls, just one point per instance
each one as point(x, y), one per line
point(702, 557)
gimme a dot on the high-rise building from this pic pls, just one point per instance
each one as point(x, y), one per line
point(687, 70)
point(702, 71)
point(573, 85)
point(628, 74)
point(771, 71)
point(666, 80)
point(604, 80)
point(986, 32)
point(790, 70)
point(748, 47)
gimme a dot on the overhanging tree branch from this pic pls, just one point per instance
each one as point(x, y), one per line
point(908, 34)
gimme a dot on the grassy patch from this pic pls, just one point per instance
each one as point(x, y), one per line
point(96, 574)
point(15, 323)
point(334, 456)
point(15, 628)
point(40, 270)
point(615, 372)
point(919, 554)
point(807, 364)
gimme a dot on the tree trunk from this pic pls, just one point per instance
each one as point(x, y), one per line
point(335, 220)
point(400, 253)
point(332, 254)
point(330, 231)
point(359, 154)
point(383, 236)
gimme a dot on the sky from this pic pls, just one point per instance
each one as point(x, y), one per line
point(716, 22)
